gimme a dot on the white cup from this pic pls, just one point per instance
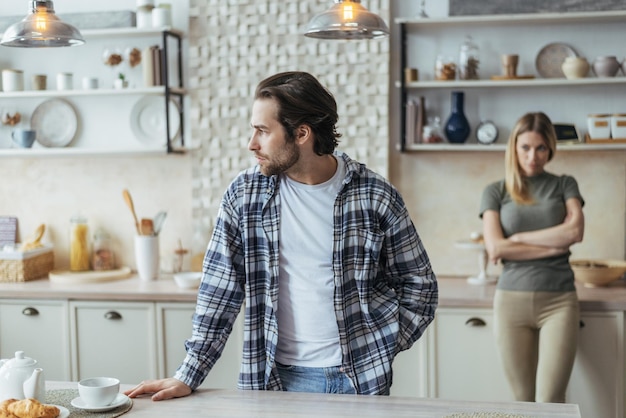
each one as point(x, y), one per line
point(161, 16)
point(65, 81)
point(147, 256)
point(90, 83)
point(98, 391)
point(12, 80)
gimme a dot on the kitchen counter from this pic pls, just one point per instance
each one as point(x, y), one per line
point(453, 292)
point(260, 404)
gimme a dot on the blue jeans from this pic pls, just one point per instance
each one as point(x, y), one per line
point(314, 379)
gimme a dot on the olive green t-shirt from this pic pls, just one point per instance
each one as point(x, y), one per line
point(552, 274)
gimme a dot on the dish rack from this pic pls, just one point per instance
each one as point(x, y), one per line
point(22, 266)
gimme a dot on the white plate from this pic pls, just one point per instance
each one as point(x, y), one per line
point(147, 120)
point(64, 412)
point(55, 122)
point(119, 400)
point(550, 59)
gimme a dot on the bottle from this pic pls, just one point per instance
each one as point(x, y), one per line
point(103, 257)
point(457, 127)
point(432, 131)
point(445, 68)
point(468, 60)
point(79, 243)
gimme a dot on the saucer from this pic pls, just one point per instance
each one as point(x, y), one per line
point(119, 400)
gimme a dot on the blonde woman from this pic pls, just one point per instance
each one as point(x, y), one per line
point(530, 219)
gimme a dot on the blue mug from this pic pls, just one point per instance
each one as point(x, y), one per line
point(24, 138)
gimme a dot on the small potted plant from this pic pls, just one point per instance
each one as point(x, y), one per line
point(120, 82)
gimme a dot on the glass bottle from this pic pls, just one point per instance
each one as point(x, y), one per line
point(445, 68)
point(103, 257)
point(432, 131)
point(79, 243)
point(457, 126)
point(468, 60)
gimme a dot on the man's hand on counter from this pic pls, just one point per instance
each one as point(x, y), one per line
point(161, 389)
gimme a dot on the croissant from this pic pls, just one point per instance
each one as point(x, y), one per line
point(32, 408)
point(4, 408)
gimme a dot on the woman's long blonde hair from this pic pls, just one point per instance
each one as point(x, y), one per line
point(514, 178)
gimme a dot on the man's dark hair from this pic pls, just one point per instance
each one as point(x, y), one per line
point(302, 100)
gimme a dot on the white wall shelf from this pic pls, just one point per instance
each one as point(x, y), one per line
point(502, 147)
point(41, 152)
point(519, 19)
point(157, 91)
point(532, 82)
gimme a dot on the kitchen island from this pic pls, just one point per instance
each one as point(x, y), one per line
point(262, 404)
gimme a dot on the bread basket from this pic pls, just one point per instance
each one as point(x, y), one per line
point(21, 266)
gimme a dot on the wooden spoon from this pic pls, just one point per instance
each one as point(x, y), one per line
point(129, 203)
point(147, 226)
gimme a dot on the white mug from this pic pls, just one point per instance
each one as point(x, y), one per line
point(147, 256)
point(64, 81)
point(90, 83)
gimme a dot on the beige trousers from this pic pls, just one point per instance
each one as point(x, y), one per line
point(536, 336)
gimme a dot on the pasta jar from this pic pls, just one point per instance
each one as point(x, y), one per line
point(79, 243)
point(445, 68)
point(468, 60)
point(103, 257)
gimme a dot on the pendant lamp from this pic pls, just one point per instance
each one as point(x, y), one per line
point(41, 29)
point(347, 19)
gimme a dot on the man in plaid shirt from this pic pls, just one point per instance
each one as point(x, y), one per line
point(321, 253)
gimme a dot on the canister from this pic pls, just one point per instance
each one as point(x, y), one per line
point(599, 126)
point(618, 126)
point(162, 15)
point(79, 243)
point(12, 80)
point(65, 81)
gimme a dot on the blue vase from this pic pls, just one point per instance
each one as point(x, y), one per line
point(457, 127)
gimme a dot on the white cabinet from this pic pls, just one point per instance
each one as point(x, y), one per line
point(411, 369)
point(174, 322)
point(465, 360)
point(40, 329)
point(114, 339)
point(597, 382)
point(590, 34)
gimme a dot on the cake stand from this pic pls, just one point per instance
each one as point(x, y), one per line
point(479, 247)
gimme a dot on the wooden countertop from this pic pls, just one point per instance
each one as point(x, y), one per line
point(261, 404)
point(453, 292)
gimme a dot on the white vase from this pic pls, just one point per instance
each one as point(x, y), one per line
point(575, 67)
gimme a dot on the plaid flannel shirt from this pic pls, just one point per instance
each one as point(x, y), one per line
point(385, 290)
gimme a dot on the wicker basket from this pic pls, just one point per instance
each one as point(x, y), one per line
point(18, 266)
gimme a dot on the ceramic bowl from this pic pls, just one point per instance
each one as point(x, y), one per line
point(188, 280)
point(98, 391)
point(597, 272)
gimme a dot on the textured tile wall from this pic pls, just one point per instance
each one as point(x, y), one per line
point(233, 44)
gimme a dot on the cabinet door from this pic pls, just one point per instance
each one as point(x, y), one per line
point(411, 369)
point(40, 329)
point(174, 325)
point(115, 339)
point(466, 362)
point(597, 381)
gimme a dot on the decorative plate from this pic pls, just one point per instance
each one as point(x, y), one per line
point(147, 120)
point(56, 122)
point(551, 57)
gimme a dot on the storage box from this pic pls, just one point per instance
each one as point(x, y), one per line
point(21, 266)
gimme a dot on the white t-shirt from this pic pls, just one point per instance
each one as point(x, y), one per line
point(307, 326)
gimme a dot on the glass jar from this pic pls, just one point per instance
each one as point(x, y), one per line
point(468, 60)
point(432, 131)
point(103, 257)
point(445, 68)
point(79, 243)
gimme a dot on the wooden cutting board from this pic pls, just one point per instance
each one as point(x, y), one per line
point(66, 276)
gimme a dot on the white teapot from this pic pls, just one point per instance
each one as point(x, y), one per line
point(20, 378)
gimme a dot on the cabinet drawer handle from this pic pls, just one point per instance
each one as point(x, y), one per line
point(30, 311)
point(475, 322)
point(581, 324)
point(112, 315)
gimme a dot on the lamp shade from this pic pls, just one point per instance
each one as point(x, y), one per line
point(347, 19)
point(41, 28)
